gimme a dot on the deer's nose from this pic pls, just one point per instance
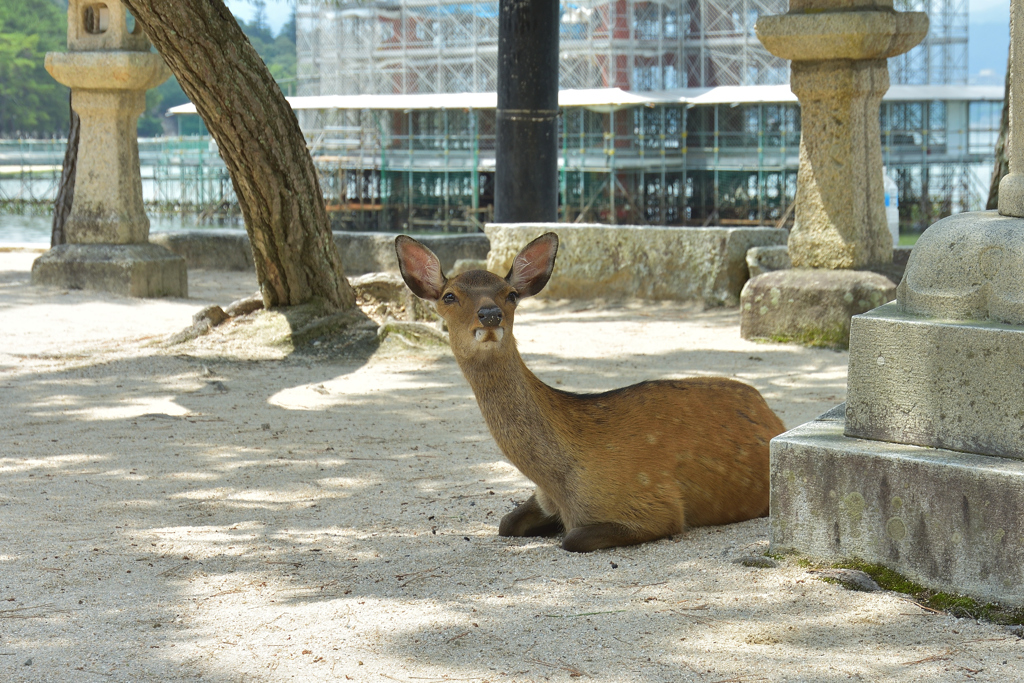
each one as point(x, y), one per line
point(490, 316)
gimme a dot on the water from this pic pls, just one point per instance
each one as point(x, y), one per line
point(25, 229)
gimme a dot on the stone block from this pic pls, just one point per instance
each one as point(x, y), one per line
point(810, 306)
point(374, 252)
point(466, 264)
point(943, 384)
point(967, 266)
point(643, 262)
point(387, 295)
point(137, 270)
point(761, 260)
point(947, 520)
point(361, 252)
point(210, 249)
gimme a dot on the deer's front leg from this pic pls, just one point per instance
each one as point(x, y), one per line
point(529, 519)
point(585, 539)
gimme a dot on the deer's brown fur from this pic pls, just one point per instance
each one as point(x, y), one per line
point(616, 468)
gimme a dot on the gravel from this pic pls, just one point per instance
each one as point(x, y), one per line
point(217, 512)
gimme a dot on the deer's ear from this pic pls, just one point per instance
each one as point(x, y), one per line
point(420, 268)
point(532, 267)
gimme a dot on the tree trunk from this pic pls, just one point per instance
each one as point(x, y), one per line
point(1002, 166)
point(261, 144)
point(66, 191)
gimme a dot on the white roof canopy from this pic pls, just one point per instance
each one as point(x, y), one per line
point(608, 99)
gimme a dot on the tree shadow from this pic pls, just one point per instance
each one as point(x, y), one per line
point(164, 516)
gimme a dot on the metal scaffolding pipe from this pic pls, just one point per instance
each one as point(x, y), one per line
point(526, 125)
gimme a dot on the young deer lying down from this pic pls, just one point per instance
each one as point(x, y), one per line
point(611, 469)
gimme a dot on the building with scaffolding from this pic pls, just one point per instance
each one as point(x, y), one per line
point(405, 47)
point(671, 113)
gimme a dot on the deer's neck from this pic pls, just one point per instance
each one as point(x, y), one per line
point(520, 411)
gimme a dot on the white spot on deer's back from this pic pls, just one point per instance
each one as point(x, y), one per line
point(651, 439)
point(643, 479)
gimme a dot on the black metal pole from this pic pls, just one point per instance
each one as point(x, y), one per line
point(526, 145)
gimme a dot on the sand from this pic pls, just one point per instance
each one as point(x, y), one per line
point(216, 512)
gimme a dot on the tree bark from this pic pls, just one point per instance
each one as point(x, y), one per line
point(1002, 166)
point(66, 191)
point(261, 144)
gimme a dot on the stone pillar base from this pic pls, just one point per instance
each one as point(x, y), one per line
point(947, 520)
point(939, 383)
point(812, 307)
point(137, 270)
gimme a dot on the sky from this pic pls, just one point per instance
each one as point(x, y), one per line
point(988, 41)
point(988, 33)
point(278, 11)
point(989, 10)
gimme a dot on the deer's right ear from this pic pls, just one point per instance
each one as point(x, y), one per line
point(420, 268)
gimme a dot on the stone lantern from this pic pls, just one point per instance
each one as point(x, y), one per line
point(922, 469)
point(838, 51)
point(109, 66)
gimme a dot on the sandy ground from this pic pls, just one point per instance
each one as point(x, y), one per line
point(190, 512)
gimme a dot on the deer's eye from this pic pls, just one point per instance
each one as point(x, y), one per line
point(449, 299)
point(512, 298)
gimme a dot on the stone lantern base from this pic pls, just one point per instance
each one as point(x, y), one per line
point(810, 306)
point(948, 520)
point(136, 270)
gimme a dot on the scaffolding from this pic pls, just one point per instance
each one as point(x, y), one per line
point(941, 58)
point(662, 163)
point(180, 175)
point(450, 46)
point(721, 156)
point(725, 156)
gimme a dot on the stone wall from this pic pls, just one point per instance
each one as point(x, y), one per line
point(361, 252)
point(594, 261)
point(643, 262)
point(373, 252)
point(208, 249)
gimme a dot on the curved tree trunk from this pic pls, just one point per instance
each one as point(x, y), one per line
point(261, 144)
point(66, 191)
point(1002, 166)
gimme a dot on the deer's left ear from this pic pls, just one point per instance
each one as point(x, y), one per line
point(531, 268)
point(420, 268)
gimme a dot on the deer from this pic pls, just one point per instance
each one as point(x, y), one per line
point(611, 469)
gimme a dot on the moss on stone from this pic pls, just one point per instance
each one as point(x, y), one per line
point(960, 606)
point(883, 576)
point(830, 338)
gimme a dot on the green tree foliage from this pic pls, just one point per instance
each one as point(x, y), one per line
point(32, 104)
point(278, 52)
